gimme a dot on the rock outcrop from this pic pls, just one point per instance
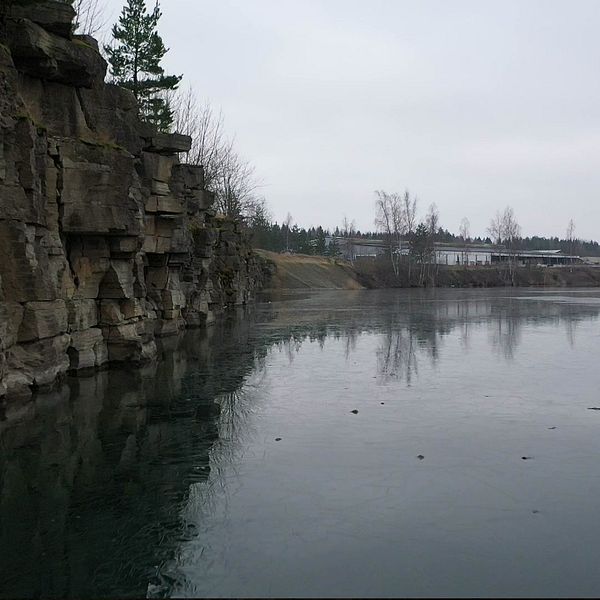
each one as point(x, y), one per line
point(107, 241)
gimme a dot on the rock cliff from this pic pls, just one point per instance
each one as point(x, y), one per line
point(107, 241)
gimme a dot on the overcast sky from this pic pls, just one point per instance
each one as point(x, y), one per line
point(472, 104)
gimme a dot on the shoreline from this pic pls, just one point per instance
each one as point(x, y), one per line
point(301, 271)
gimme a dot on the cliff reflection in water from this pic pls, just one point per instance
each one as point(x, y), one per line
point(95, 477)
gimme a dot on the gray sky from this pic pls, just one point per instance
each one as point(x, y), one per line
point(472, 104)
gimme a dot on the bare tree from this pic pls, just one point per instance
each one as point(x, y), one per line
point(433, 219)
point(210, 146)
point(396, 219)
point(465, 233)
point(504, 229)
point(230, 177)
point(91, 16)
point(288, 224)
point(571, 237)
point(236, 186)
point(432, 223)
point(348, 227)
point(348, 231)
point(465, 229)
point(389, 221)
point(495, 228)
point(510, 232)
point(409, 212)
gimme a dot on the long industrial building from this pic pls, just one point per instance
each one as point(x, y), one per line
point(457, 254)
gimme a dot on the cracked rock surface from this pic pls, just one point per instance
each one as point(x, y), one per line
point(107, 241)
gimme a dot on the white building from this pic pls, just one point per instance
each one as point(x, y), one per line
point(469, 254)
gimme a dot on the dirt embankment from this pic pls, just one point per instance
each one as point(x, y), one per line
point(300, 271)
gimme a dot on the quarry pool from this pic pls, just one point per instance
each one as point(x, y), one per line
point(332, 443)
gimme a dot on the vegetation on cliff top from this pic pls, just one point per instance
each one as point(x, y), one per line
point(135, 61)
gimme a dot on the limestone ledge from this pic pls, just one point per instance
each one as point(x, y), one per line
point(107, 241)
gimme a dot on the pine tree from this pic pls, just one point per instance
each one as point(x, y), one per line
point(135, 62)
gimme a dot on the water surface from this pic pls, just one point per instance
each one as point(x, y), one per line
point(365, 443)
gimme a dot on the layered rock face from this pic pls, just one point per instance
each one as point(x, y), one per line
point(106, 240)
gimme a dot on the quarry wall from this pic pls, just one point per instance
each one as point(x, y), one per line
point(107, 241)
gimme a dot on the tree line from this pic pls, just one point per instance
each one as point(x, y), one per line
point(289, 236)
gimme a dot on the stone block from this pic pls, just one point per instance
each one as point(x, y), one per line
point(87, 350)
point(110, 312)
point(163, 245)
point(169, 204)
point(168, 143)
point(165, 227)
point(150, 244)
point(150, 224)
point(167, 327)
point(124, 244)
point(157, 244)
point(131, 342)
point(126, 332)
point(36, 365)
point(16, 383)
point(118, 281)
point(157, 167)
point(180, 241)
point(82, 313)
point(55, 106)
point(172, 299)
point(11, 316)
point(157, 277)
point(43, 320)
point(55, 17)
point(132, 308)
point(117, 312)
point(101, 193)
point(25, 193)
point(111, 112)
point(199, 200)
point(160, 188)
point(151, 204)
point(41, 54)
point(89, 274)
